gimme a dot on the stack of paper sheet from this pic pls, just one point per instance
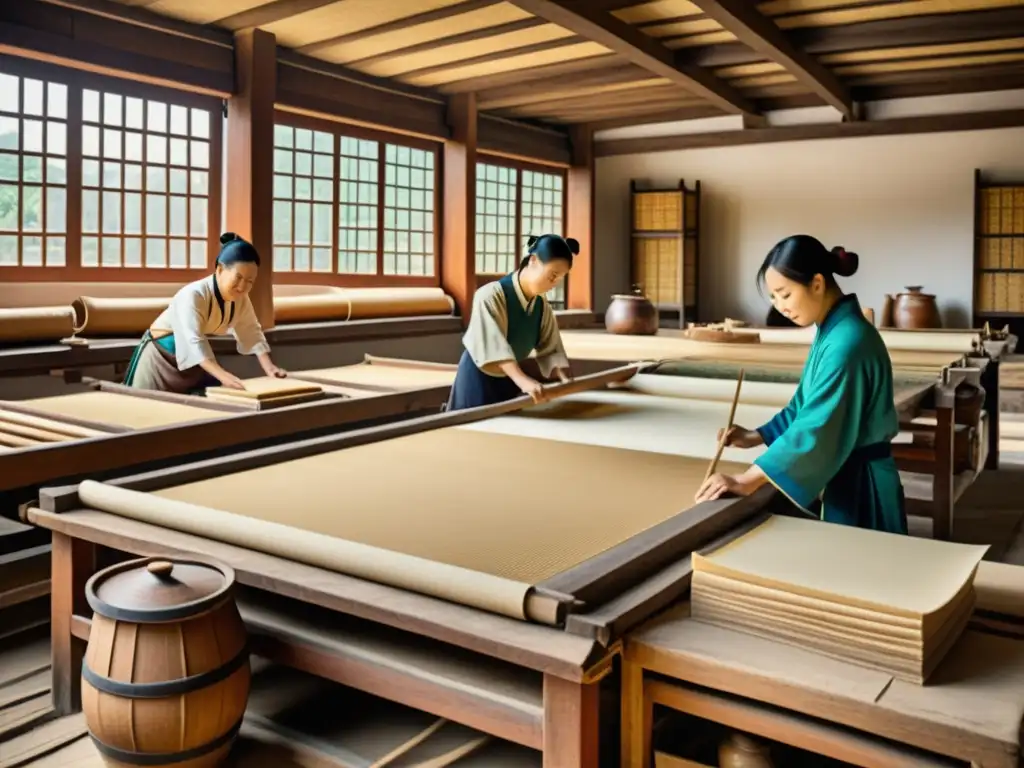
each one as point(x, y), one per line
point(267, 391)
point(894, 603)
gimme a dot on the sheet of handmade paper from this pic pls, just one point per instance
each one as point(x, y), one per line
point(516, 507)
point(639, 422)
point(855, 566)
point(383, 375)
point(121, 410)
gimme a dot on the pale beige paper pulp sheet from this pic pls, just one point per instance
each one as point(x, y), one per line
point(590, 345)
point(261, 387)
point(771, 394)
point(451, 496)
point(623, 419)
point(896, 339)
point(121, 410)
point(383, 375)
point(904, 575)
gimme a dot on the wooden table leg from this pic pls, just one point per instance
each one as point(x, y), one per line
point(637, 718)
point(73, 561)
point(571, 715)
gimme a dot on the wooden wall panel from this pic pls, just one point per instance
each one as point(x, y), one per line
point(321, 93)
point(579, 219)
point(101, 44)
point(524, 142)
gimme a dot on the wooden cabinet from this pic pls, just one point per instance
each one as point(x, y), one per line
point(998, 254)
point(665, 247)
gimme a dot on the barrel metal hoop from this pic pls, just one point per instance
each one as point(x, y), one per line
point(169, 758)
point(165, 688)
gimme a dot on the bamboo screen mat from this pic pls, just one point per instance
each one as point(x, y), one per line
point(121, 410)
point(518, 508)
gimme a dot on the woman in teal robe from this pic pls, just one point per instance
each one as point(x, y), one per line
point(833, 440)
point(510, 322)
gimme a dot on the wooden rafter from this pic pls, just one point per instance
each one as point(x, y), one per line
point(269, 13)
point(918, 124)
point(759, 32)
point(426, 17)
point(581, 17)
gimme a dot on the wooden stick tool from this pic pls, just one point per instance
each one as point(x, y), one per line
point(721, 442)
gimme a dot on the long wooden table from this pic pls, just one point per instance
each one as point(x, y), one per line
point(670, 354)
point(559, 664)
point(972, 712)
point(131, 428)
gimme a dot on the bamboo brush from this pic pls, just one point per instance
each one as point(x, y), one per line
point(725, 433)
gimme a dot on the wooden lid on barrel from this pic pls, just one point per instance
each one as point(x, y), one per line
point(154, 590)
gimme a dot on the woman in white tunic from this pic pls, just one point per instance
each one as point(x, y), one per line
point(511, 321)
point(175, 355)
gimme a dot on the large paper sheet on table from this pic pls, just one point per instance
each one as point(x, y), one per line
point(902, 575)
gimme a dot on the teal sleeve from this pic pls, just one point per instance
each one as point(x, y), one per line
point(773, 430)
point(822, 434)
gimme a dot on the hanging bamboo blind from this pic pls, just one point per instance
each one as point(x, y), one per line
point(1000, 284)
point(658, 211)
point(656, 268)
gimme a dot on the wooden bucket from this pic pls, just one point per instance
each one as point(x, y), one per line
point(165, 679)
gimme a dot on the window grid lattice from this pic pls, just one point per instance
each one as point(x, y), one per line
point(145, 182)
point(408, 211)
point(358, 191)
point(541, 214)
point(303, 200)
point(33, 172)
point(496, 249)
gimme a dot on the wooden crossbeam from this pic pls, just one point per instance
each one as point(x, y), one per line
point(759, 32)
point(582, 18)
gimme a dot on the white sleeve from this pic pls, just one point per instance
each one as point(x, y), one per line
point(550, 352)
point(188, 312)
point(486, 336)
point(247, 330)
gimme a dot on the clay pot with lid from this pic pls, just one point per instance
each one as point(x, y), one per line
point(915, 309)
point(742, 751)
point(631, 314)
point(166, 676)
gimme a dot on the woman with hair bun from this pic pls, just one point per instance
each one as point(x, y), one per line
point(174, 354)
point(833, 440)
point(510, 321)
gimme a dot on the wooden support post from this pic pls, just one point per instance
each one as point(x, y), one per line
point(250, 158)
point(579, 219)
point(571, 715)
point(73, 561)
point(943, 503)
point(458, 254)
point(637, 718)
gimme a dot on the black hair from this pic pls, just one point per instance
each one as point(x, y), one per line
point(548, 248)
point(235, 250)
point(800, 257)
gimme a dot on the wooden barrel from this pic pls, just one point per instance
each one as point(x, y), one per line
point(165, 679)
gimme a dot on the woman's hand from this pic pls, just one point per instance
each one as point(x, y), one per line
point(738, 437)
point(533, 388)
point(275, 372)
point(231, 381)
point(719, 484)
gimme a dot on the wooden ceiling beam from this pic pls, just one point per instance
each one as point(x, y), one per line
point(921, 124)
point(461, 37)
point(531, 74)
point(581, 17)
point(426, 17)
point(760, 33)
point(269, 13)
point(542, 90)
point(940, 29)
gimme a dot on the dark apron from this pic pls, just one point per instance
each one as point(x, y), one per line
point(472, 387)
point(865, 493)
